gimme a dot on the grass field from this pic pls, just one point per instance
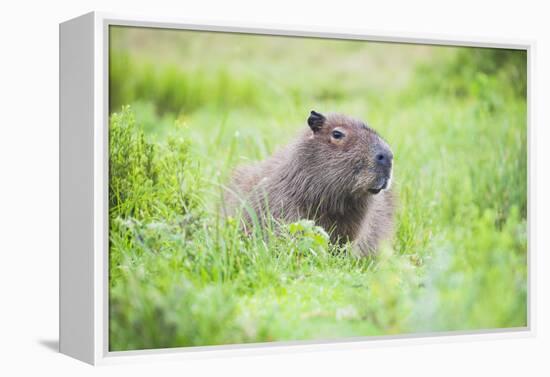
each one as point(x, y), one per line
point(186, 108)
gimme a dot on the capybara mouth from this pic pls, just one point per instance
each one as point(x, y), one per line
point(382, 184)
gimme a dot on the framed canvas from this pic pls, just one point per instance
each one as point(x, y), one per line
point(242, 189)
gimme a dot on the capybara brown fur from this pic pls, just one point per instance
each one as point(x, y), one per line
point(337, 173)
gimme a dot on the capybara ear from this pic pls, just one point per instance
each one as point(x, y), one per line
point(316, 120)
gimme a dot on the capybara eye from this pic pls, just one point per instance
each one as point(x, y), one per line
point(337, 134)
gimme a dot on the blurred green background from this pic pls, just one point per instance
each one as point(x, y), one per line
point(187, 107)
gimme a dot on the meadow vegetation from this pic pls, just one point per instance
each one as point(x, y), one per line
point(186, 108)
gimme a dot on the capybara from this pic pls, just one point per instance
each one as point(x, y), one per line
point(337, 173)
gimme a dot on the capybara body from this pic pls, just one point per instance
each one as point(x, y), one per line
point(336, 173)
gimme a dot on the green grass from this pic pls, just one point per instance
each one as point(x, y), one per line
point(182, 275)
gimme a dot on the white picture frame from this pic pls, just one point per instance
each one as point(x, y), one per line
point(84, 184)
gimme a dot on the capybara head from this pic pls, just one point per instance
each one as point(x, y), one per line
point(348, 154)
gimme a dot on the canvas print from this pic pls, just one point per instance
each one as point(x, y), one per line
point(270, 188)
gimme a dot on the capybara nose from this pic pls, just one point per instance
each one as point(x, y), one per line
point(384, 159)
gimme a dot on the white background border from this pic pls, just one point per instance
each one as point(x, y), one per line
point(29, 148)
